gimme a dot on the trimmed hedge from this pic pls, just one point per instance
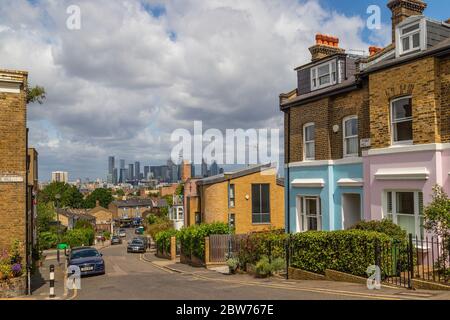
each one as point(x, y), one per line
point(192, 238)
point(350, 251)
point(163, 240)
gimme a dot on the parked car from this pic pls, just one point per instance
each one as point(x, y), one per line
point(116, 240)
point(144, 239)
point(88, 259)
point(136, 245)
point(122, 233)
point(139, 230)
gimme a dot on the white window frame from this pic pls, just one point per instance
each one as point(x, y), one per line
point(305, 158)
point(392, 122)
point(315, 85)
point(400, 36)
point(344, 137)
point(394, 215)
point(302, 218)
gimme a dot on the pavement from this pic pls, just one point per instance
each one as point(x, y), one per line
point(146, 277)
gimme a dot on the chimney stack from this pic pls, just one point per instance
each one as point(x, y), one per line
point(402, 9)
point(325, 46)
point(374, 50)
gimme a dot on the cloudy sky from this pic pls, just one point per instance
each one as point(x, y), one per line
point(139, 69)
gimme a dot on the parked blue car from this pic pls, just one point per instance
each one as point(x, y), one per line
point(88, 259)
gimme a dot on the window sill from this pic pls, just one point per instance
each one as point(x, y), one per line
point(261, 224)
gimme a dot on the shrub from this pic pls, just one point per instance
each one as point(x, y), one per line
point(278, 264)
point(385, 226)
point(163, 240)
point(192, 238)
point(107, 235)
point(79, 237)
point(263, 267)
point(350, 251)
point(161, 224)
point(233, 264)
point(437, 213)
point(257, 245)
point(47, 240)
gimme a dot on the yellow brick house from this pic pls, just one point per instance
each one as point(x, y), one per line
point(250, 199)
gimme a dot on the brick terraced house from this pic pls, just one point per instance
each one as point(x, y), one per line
point(368, 137)
point(325, 117)
point(409, 89)
point(18, 166)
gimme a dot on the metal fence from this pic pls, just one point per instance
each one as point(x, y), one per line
point(432, 256)
point(224, 246)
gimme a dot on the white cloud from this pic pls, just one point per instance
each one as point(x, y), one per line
point(121, 84)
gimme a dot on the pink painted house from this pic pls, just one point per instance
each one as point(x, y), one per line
point(408, 152)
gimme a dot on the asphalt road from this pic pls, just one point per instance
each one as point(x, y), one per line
point(129, 277)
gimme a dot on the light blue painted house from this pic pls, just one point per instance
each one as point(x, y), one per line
point(326, 123)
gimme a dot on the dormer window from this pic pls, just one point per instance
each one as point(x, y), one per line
point(323, 75)
point(411, 38)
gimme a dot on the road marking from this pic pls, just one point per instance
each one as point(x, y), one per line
point(142, 258)
point(316, 290)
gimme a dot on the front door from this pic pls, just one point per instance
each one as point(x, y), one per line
point(351, 209)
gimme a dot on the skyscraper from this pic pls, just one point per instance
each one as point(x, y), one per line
point(111, 166)
point(122, 164)
point(114, 176)
point(130, 171)
point(146, 172)
point(137, 170)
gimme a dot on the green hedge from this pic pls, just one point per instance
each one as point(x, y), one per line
point(350, 251)
point(79, 237)
point(192, 238)
point(258, 245)
point(163, 240)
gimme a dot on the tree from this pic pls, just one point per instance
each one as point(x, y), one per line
point(36, 94)
point(101, 194)
point(45, 216)
point(180, 190)
point(71, 197)
point(437, 213)
point(120, 193)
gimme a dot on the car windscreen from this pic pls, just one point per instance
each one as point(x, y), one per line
point(84, 254)
point(137, 242)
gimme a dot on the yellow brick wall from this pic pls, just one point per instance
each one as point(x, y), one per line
point(13, 162)
point(444, 71)
point(214, 202)
point(418, 79)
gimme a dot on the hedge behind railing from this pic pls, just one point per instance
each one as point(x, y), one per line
point(350, 251)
